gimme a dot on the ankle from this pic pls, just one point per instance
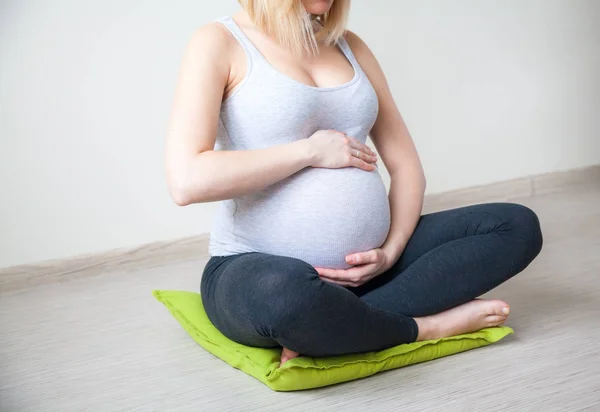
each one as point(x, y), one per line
point(426, 327)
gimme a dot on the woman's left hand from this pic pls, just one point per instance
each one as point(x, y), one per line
point(367, 265)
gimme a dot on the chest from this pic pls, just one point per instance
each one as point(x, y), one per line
point(276, 98)
point(269, 111)
point(329, 69)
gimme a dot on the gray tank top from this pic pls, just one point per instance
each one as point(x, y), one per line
point(318, 215)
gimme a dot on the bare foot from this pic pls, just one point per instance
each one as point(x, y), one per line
point(472, 316)
point(287, 354)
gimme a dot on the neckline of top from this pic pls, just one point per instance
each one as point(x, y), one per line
point(308, 86)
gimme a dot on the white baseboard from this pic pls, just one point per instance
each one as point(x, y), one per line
point(123, 260)
point(161, 253)
point(516, 188)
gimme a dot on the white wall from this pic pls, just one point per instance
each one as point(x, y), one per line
point(490, 90)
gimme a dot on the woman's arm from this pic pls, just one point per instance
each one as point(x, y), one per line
point(398, 153)
point(195, 172)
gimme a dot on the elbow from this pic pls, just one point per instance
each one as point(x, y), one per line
point(181, 198)
point(180, 194)
point(184, 192)
point(189, 185)
point(182, 186)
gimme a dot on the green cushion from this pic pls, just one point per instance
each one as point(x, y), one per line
point(304, 372)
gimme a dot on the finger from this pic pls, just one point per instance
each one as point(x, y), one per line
point(347, 275)
point(362, 258)
point(361, 151)
point(363, 147)
point(331, 273)
point(361, 164)
point(356, 144)
point(354, 274)
point(341, 282)
point(360, 154)
point(338, 282)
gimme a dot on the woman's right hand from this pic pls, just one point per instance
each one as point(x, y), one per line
point(332, 149)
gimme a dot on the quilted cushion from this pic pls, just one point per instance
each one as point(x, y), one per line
point(305, 372)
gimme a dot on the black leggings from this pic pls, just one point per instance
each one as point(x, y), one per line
point(453, 257)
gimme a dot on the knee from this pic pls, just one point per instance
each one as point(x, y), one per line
point(524, 225)
point(285, 293)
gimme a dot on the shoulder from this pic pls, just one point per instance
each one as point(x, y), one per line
point(369, 64)
point(214, 32)
point(358, 46)
point(366, 59)
point(211, 41)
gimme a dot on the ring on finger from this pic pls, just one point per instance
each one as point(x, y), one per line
point(358, 153)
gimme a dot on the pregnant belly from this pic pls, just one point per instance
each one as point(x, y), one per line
point(317, 215)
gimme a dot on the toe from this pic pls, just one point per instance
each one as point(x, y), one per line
point(287, 354)
point(501, 308)
point(495, 320)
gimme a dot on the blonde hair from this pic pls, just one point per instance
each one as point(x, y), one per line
point(291, 26)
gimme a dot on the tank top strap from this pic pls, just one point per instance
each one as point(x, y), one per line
point(345, 47)
point(240, 36)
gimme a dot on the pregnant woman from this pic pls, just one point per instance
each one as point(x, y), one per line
point(308, 250)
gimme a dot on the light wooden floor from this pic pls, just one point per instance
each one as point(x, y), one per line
point(103, 344)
